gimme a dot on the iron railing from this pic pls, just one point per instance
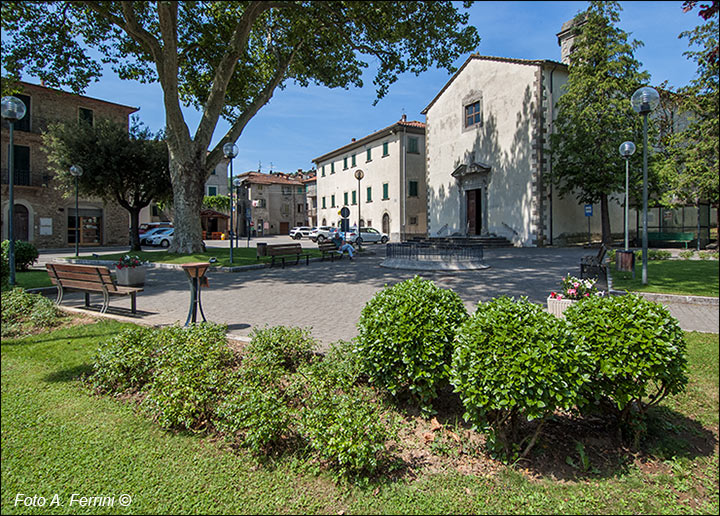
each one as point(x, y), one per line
point(434, 252)
point(23, 177)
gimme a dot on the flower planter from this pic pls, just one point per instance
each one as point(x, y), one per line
point(557, 306)
point(131, 276)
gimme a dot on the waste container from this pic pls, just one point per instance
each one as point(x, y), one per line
point(625, 261)
point(261, 249)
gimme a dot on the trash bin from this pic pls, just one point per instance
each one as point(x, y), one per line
point(625, 261)
point(261, 249)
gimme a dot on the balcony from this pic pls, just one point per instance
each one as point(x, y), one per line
point(25, 178)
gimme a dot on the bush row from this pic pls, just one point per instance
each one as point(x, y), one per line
point(512, 362)
point(277, 396)
point(23, 312)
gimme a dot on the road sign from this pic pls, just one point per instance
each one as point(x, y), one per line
point(588, 210)
point(345, 212)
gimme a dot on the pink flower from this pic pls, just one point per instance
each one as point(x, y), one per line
point(571, 292)
point(587, 295)
point(576, 284)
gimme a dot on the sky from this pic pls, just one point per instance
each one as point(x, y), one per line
point(300, 124)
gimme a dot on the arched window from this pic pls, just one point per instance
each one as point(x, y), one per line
point(386, 223)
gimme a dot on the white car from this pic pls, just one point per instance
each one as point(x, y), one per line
point(320, 233)
point(152, 233)
point(163, 238)
point(368, 235)
point(299, 232)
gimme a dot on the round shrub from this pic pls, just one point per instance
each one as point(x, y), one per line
point(514, 362)
point(25, 254)
point(636, 349)
point(405, 336)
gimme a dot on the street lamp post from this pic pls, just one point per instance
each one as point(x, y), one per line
point(237, 182)
point(13, 110)
point(230, 150)
point(359, 174)
point(627, 149)
point(643, 101)
point(76, 171)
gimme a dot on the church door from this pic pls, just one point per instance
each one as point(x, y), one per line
point(474, 212)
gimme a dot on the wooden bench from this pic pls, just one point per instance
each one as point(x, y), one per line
point(593, 263)
point(89, 279)
point(328, 248)
point(284, 250)
point(671, 237)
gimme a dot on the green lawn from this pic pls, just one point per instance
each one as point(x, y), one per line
point(32, 279)
point(57, 438)
point(241, 256)
point(684, 277)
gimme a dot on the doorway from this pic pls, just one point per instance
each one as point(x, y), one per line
point(90, 226)
point(386, 224)
point(21, 225)
point(474, 212)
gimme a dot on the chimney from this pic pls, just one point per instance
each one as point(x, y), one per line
point(404, 118)
point(352, 140)
point(299, 171)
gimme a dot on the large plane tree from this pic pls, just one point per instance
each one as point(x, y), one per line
point(226, 59)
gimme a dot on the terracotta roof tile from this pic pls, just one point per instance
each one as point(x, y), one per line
point(269, 179)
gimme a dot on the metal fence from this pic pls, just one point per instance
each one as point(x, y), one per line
point(434, 252)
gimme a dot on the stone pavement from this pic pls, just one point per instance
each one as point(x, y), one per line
point(329, 296)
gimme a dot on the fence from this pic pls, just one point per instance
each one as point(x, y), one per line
point(434, 252)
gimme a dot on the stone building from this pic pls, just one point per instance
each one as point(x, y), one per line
point(43, 215)
point(391, 196)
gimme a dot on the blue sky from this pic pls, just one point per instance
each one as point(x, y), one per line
point(300, 124)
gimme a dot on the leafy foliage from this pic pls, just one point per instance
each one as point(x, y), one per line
point(636, 351)
point(217, 202)
point(281, 347)
point(26, 254)
point(22, 311)
point(405, 336)
point(514, 362)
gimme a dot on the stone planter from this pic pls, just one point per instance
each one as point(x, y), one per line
point(558, 306)
point(131, 276)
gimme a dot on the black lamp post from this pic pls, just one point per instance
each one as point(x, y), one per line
point(76, 171)
point(627, 149)
point(237, 182)
point(643, 101)
point(13, 110)
point(359, 174)
point(230, 150)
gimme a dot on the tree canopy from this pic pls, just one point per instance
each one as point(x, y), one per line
point(594, 114)
point(227, 59)
point(131, 170)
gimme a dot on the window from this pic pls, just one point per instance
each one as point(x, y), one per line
point(286, 190)
point(24, 123)
point(386, 150)
point(413, 221)
point(369, 155)
point(301, 189)
point(473, 114)
point(212, 190)
point(285, 210)
point(368, 223)
point(386, 190)
point(300, 208)
point(261, 203)
point(323, 203)
point(353, 160)
point(413, 189)
point(214, 172)
point(323, 171)
point(85, 115)
point(332, 167)
point(354, 197)
point(344, 162)
point(259, 188)
point(345, 198)
point(332, 201)
point(21, 174)
point(413, 146)
point(369, 195)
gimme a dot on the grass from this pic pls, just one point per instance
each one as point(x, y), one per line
point(683, 277)
point(32, 279)
point(58, 438)
point(241, 256)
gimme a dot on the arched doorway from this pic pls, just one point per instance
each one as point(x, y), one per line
point(324, 222)
point(21, 226)
point(386, 224)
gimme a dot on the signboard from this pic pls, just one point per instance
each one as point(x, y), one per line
point(345, 212)
point(588, 210)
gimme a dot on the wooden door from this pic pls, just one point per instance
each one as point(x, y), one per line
point(20, 223)
point(284, 228)
point(471, 211)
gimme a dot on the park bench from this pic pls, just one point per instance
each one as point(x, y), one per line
point(593, 263)
point(329, 248)
point(284, 250)
point(89, 279)
point(671, 237)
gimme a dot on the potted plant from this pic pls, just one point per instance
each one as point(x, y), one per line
point(573, 290)
point(130, 271)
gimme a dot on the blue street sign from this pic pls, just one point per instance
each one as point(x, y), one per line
point(588, 210)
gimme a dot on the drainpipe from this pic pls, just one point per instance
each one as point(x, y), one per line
point(404, 181)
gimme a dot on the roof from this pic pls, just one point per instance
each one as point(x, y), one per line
point(129, 109)
point(413, 125)
point(531, 62)
point(213, 213)
point(277, 178)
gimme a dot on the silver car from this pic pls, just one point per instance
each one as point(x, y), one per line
point(368, 235)
point(320, 233)
point(299, 232)
point(163, 238)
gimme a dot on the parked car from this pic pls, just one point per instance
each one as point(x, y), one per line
point(299, 232)
point(162, 238)
point(147, 226)
point(148, 235)
point(368, 235)
point(320, 233)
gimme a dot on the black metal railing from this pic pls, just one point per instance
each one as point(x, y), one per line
point(434, 252)
point(22, 177)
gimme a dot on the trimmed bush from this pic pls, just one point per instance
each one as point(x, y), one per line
point(125, 361)
point(281, 347)
point(192, 375)
point(26, 254)
point(636, 351)
point(405, 337)
point(514, 362)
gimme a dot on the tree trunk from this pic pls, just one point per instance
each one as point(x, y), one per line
point(188, 180)
point(134, 229)
point(605, 220)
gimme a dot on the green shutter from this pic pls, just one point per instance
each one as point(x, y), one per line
point(353, 160)
point(386, 189)
point(323, 171)
point(332, 201)
point(323, 203)
point(369, 194)
point(345, 198)
point(385, 149)
point(332, 167)
point(413, 189)
point(369, 155)
point(354, 197)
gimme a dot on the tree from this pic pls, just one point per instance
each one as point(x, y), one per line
point(226, 59)
point(595, 115)
point(130, 169)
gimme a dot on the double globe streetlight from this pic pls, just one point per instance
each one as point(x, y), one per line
point(230, 150)
point(644, 101)
point(627, 149)
point(76, 171)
